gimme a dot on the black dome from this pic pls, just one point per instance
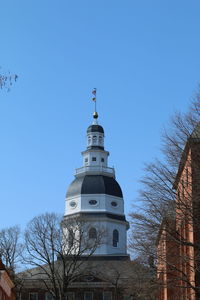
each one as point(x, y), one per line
point(95, 128)
point(94, 184)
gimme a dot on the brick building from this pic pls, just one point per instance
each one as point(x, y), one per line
point(98, 280)
point(6, 284)
point(179, 237)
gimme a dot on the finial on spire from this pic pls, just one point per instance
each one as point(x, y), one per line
point(95, 114)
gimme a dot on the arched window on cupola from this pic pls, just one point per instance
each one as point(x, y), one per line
point(94, 139)
point(89, 140)
point(115, 238)
point(92, 233)
point(100, 140)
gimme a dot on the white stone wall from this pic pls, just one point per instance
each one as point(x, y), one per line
point(105, 229)
point(104, 203)
point(107, 247)
point(100, 156)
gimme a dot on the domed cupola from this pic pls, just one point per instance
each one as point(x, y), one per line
point(96, 196)
point(98, 184)
point(95, 136)
point(95, 128)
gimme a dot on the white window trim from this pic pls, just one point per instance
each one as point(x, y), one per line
point(75, 204)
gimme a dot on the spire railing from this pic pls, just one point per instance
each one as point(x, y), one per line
point(95, 170)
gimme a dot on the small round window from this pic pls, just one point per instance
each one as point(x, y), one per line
point(72, 204)
point(93, 202)
point(114, 204)
point(88, 278)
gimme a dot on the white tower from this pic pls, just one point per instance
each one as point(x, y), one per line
point(96, 197)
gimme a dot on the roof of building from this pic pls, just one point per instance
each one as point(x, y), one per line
point(194, 138)
point(102, 270)
point(94, 184)
point(196, 132)
point(95, 128)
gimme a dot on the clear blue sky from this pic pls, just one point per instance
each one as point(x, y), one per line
point(142, 56)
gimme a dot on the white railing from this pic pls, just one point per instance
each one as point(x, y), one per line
point(95, 169)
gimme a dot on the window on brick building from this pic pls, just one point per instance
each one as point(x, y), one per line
point(183, 189)
point(88, 296)
point(187, 177)
point(48, 296)
point(18, 296)
point(107, 295)
point(69, 296)
point(33, 296)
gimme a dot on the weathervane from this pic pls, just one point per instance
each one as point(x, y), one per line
point(95, 114)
